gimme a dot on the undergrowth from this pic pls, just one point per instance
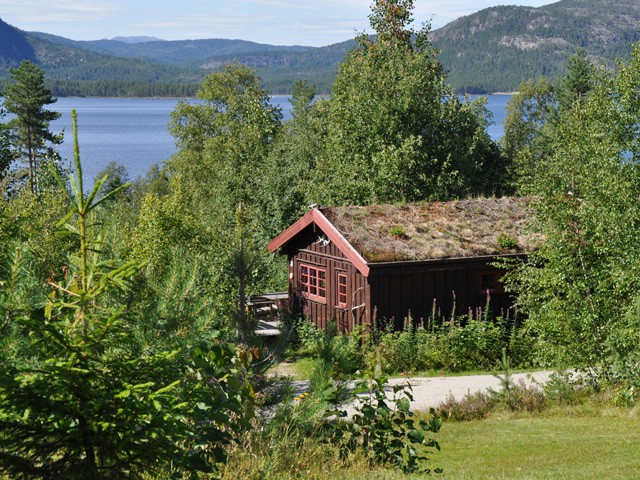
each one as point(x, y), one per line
point(463, 344)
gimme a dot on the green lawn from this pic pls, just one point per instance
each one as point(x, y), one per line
point(585, 444)
point(560, 447)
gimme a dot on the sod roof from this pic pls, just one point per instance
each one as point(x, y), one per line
point(424, 231)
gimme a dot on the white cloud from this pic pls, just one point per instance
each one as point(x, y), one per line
point(59, 11)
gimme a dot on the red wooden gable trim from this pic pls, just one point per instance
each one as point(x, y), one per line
point(315, 216)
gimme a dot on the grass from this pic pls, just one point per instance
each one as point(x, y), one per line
point(548, 447)
point(589, 441)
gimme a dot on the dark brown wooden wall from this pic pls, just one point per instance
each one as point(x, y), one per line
point(398, 290)
point(306, 248)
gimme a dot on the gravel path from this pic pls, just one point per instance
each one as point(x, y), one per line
point(430, 392)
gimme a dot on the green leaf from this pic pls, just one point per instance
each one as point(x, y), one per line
point(404, 405)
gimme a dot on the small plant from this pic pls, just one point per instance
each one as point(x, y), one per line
point(507, 242)
point(515, 396)
point(563, 388)
point(473, 406)
point(397, 231)
point(385, 434)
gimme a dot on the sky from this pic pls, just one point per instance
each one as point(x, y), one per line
point(276, 22)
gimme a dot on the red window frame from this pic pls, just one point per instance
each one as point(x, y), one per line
point(342, 289)
point(313, 281)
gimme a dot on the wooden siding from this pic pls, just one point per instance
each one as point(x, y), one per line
point(419, 288)
point(310, 249)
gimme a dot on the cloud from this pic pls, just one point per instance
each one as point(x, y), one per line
point(58, 11)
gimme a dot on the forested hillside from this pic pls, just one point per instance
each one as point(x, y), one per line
point(491, 50)
point(497, 48)
point(14, 47)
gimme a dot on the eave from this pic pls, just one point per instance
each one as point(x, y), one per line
point(315, 216)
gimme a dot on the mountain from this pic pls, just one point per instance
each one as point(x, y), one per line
point(491, 50)
point(138, 39)
point(15, 47)
point(496, 48)
point(278, 66)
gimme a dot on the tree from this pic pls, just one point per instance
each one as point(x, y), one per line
point(580, 287)
point(5, 149)
point(395, 131)
point(86, 395)
point(534, 111)
point(25, 96)
point(117, 176)
point(577, 81)
point(523, 142)
point(224, 142)
point(288, 173)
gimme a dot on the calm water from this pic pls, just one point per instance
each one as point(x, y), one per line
point(133, 131)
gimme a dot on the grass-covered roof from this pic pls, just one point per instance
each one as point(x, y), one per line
point(425, 231)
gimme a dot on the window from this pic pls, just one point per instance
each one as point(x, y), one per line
point(490, 281)
point(313, 281)
point(342, 289)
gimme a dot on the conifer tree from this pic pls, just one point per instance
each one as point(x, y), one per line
point(26, 97)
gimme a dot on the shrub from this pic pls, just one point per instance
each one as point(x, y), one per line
point(473, 406)
point(384, 434)
point(463, 344)
point(506, 242)
point(563, 388)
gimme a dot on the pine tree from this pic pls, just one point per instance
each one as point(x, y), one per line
point(26, 96)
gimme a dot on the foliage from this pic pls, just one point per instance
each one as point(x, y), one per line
point(472, 406)
point(286, 182)
point(31, 218)
point(117, 176)
point(284, 444)
point(577, 289)
point(385, 434)
point(577, 81)
point(25, 96)
point(466, 344)
point(342, 352)
point(512, 395)
point(534, 111)
point(507, 242)
point(523, 142)
point(224, 141)
point(395, 131)
point(83, 398)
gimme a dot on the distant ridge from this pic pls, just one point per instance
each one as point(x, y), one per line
point(489, 51)
point(496, 48)
point(137, 39)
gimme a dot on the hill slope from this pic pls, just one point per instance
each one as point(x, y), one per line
point(15, 47)
point(496, 48)
point(491, 50)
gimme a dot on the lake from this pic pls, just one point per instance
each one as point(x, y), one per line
point(133, 131)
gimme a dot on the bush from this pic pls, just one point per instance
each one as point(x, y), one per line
point(462, 345)
point(473, 406)
point(344, 352)
point(384, 434)
point(564, 388)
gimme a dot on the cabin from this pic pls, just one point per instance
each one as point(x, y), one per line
point(356, 263)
